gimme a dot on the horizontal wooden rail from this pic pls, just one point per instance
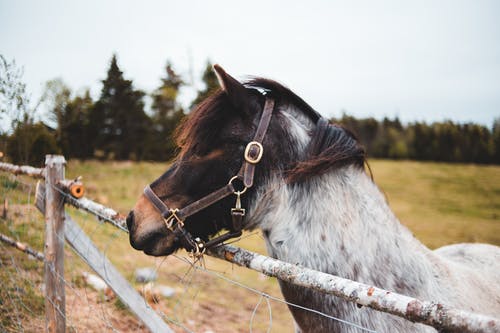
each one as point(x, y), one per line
point(104, 213)
point(21, 247)
point(23, 170)
point(430, 313)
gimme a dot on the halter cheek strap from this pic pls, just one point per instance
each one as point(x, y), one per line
point(174, 217)
point(254, 150)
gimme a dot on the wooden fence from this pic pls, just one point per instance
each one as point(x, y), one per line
point(59, 226)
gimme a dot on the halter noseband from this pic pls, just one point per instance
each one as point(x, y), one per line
point(174, 217)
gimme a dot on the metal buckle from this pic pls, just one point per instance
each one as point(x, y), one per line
point(249, 158)
point(172, 218)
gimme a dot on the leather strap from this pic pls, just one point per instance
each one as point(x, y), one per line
point(206, 201)
point(153, 198)
point(247, 170)
point(192, 208)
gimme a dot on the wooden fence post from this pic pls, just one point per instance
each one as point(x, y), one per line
point(55, 313)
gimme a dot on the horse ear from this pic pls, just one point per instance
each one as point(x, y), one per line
point(236, 92)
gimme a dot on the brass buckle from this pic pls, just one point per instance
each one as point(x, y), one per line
point(172, 218)
point(249, 158)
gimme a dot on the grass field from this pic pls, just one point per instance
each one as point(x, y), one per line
point(440, 203)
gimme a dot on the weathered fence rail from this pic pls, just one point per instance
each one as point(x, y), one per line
point(440, 316)
point(22, 247)
point(23, 170)
point(433, 314)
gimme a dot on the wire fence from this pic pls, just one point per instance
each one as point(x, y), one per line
point(189, 297)
point(207, 295)
point(22, 295)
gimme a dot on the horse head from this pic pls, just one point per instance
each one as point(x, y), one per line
point(230, 146)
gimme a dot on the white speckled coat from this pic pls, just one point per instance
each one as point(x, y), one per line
point(316, 207)
point(340, 223)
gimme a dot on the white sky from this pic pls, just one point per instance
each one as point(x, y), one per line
point(420, 60)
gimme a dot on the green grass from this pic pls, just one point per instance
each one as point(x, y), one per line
point(443, 203)
point(440, 203)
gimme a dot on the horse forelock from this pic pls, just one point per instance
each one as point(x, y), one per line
point(198, 127)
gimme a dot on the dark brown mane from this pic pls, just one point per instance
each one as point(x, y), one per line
point(194, 130)
point(284, 95)
point(332, 146)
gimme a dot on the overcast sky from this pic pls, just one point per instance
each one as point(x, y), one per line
point(420, 60)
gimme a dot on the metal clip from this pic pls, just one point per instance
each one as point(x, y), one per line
point(237, 213)
point(237, 207)
point(199, 250)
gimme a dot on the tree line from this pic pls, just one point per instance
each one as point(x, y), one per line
point(117, 126)
point(440, 141)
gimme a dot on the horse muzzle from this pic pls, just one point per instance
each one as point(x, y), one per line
point(152, 238)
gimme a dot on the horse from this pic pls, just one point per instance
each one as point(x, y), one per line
point(256, 155)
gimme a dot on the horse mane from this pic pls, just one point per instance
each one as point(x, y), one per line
point(283, 94)
point(332, 146)
point(193, 129)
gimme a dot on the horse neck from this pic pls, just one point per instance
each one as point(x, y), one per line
point(340, 223)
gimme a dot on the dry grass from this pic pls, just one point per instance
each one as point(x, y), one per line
point(440, 203)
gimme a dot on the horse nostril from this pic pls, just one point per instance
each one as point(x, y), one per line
point(130, 220)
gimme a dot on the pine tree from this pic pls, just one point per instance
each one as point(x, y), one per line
point(118, 121)
point(77, 127)
point(167, 115)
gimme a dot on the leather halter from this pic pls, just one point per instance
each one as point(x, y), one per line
point(174, 217)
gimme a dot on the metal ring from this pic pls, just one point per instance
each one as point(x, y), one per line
point(237, 192)
point(199, 250)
